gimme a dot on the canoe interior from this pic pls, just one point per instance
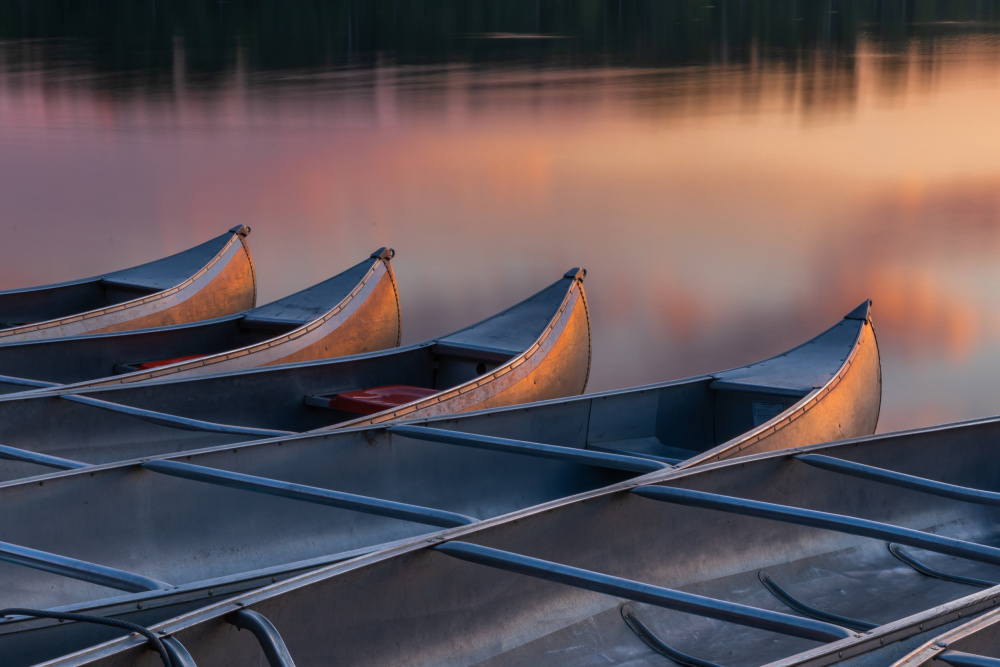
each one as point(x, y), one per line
point(404, 469)
point(272, 397)
point(81, 358)
point(48, 302)
point(443, 611)
point(675, 420)
point(182, 531)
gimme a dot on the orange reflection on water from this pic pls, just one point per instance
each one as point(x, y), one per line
point(725, 213)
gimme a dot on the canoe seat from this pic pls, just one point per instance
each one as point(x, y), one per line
point(371, 400)
point(146, 365)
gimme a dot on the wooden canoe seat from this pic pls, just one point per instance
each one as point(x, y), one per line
point(371, 400)
point(145, 366)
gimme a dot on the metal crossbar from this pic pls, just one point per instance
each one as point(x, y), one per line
point(901, 479)
point(311, 494)
point(558, 452)
point(78, 569)
point(722, 610)
point(960, 659)
point(23, 455)
point(826, 520)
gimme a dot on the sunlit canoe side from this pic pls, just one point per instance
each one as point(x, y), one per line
point(975, 643)
point(525, 456)
point(555, 365)
point(828, 388)
point(213, 279)
point(850, 553)
point(354, 312)
point(538, 348)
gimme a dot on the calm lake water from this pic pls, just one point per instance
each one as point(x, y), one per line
point(735, 175)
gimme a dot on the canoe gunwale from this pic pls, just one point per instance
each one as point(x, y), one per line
point(238, 235)
point(934, 647)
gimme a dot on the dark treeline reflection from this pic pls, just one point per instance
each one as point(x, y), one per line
point(135, 43)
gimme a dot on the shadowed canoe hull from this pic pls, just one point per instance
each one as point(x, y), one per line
point(207, 555)
point(208, 281)
point(354, 312)
point(849, 553)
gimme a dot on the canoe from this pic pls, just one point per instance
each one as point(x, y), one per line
point(148, 519)
point(537, 349)
point(354, 312)
point(848, 553)
point(828, 388)
point(210, 280)
point(975, 643)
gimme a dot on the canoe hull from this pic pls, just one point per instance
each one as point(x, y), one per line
point(223, 286)
point(845, 407)
point(556, 366)
point(368, 320)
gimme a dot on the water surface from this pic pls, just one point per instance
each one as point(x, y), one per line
point(735, 176)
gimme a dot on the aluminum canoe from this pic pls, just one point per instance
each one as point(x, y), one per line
point(537, 349)
point(213, 279)
point(354, 312)
point(850, 553)
point(178, 519)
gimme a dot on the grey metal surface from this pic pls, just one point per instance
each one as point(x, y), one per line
point(56, 422)
point(974, 643)
point(83, 359)
point(271, 643)
point(213, 279)
point(641, 592)
point(204, 532)
point(445, 612)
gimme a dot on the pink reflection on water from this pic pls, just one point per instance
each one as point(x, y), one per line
point(724, 213)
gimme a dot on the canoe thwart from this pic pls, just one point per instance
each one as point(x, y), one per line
point(78, 569)
point(667, 598)
point(25, 456)
point(923, 568)
point(961, 659)
point(311, 494)
point(173, 421)
point(798, 605)
point(371, 400)
point(267, 635)
point(657, 644)
point(569, 454)
point(26, 382)
point(825, 520)
point(900, 479)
